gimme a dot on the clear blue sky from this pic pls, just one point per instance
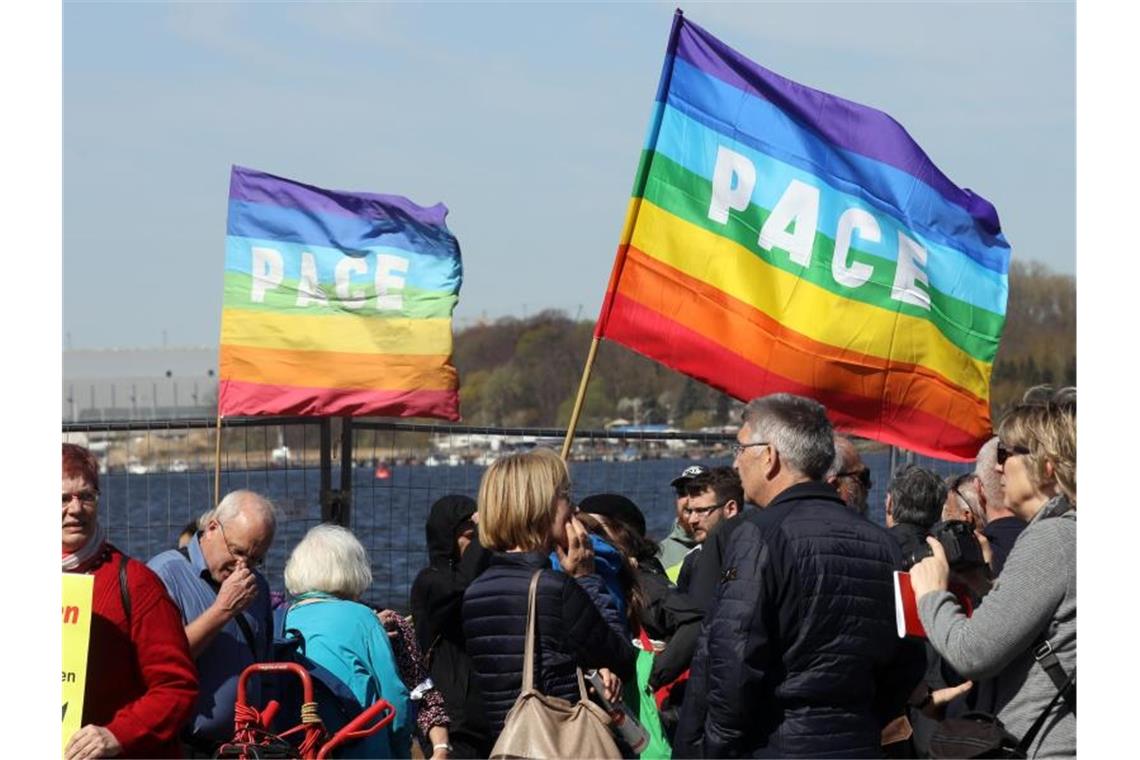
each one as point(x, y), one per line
point(526, 120)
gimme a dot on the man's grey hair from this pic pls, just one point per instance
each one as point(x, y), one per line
point(990, 478)
point(234, 502)
point(917, 496)
point(797, 427)
point(329, 559)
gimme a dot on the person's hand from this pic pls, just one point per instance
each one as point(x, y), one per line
point(90, 742)
point(237, 591)
point(939, 698)
point(388, 620)
point(611, 684)
point(578, 560)
point(439, 754)
point(932, 573)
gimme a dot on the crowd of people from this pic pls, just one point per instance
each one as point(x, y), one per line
point(763, 625)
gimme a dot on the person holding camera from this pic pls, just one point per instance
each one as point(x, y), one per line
point(914, 503)
point(1020, 644)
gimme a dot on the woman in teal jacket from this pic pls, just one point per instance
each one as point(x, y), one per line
point(326, 575)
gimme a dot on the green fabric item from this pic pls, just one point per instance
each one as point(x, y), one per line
point(639, 698)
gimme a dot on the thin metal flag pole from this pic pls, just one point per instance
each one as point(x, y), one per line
point(218, 463)
point(581, 397)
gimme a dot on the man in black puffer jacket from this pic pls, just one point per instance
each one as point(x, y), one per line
point(798, 655)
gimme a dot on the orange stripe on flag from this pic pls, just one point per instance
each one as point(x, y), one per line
point(327, 369)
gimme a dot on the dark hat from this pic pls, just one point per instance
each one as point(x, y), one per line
point(688, 474)
point(616, 506)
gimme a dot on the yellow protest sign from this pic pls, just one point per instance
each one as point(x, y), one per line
point(77, 593)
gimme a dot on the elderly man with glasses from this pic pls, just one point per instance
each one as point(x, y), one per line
point(225, 607)
point(798, 655)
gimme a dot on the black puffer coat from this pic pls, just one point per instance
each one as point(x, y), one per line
point(571, 632)
point(799, 655)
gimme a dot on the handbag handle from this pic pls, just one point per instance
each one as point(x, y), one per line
point(531, 634)
point(528, 649)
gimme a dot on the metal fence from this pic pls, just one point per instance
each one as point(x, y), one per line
point(377, 478)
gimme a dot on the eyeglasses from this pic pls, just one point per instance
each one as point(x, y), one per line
point(86, 498)
point(863, 476)
point(1005, 452)
point(251, 561)
point(701, 512)
point(738, 448)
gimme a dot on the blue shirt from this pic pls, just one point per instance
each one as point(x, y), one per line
point(346, 639)
point(219, 665)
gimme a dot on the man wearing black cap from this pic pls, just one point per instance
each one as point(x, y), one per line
point(680, 541)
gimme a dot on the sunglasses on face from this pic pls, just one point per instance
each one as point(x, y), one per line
point(863, 476)
point(1005, 452)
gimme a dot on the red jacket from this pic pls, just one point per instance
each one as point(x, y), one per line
point(141, 683)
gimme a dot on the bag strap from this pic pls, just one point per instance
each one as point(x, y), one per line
point(124, 589)
point(531, 625)
point(1043, 654)
point(1027, 740)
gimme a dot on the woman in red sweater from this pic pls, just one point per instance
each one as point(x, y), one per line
point(141, 682)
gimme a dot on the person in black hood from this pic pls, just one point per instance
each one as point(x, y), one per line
point(455, 559)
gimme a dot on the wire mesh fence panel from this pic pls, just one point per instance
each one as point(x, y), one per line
point(158, 475)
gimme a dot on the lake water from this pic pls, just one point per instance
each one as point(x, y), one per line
point(144, 513)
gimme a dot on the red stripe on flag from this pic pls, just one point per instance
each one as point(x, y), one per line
point(878, 417)
point(240, 398)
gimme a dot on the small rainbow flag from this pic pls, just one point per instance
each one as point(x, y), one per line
point(783, 239)
point(336, 303)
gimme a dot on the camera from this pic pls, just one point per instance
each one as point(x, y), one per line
point(963, 551)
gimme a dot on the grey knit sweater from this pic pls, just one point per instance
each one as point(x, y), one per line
point(1036, 592)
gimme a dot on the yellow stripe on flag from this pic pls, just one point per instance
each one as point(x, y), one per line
point(800, 305)
point(350, 333)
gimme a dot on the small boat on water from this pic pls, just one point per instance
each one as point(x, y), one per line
point(382, 472)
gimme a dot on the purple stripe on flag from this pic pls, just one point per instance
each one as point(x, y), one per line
point(259, 187)
point(842, 122)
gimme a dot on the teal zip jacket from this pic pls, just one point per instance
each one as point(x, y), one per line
point(346, 638)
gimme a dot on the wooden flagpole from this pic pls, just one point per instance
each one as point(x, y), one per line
point(581, 397)
point(218, 465)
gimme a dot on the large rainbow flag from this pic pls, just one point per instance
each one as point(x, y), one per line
point(783, 239)
point(336, 303)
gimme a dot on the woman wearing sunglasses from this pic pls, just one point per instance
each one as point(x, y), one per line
point(1020, 645)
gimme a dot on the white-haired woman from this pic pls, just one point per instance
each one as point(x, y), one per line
point(326, 575)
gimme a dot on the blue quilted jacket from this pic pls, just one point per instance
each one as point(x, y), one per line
point(798, 655)
point(578, 624)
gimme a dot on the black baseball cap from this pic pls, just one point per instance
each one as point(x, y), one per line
point(688, 474)
point(616, 506)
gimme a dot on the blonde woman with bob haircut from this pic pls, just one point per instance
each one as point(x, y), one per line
point(1032, 606)
point(524, 513)
point(326, 575)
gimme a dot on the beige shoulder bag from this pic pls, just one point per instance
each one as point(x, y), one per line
point(542, 727)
